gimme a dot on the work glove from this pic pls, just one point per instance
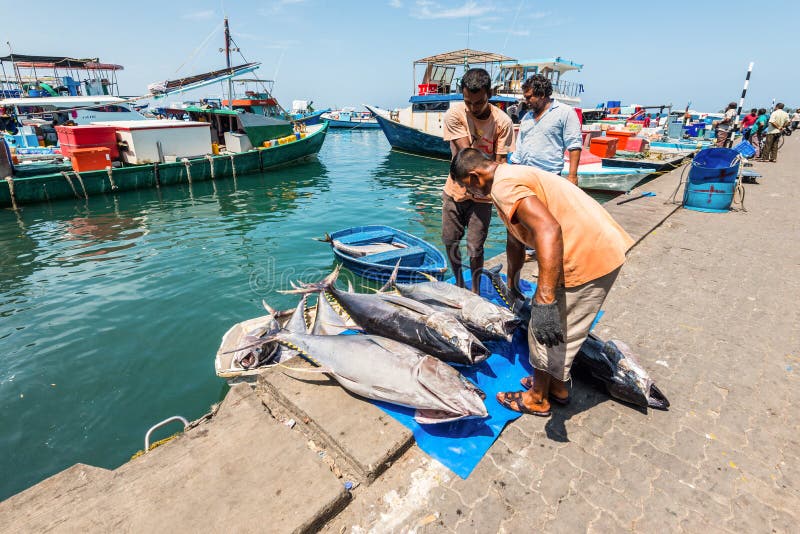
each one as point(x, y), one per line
point(546, 324)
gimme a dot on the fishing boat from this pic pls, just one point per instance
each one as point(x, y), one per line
point(373, 252)
point(510, 77)
point(351, 119)
point(417, 129)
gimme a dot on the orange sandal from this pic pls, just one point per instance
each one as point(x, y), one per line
point(527, 383)
point(513, 401)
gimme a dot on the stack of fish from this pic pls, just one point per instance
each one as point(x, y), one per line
point(405, 338)
point(407, 335)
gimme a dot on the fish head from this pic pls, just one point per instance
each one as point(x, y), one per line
point(500, 322)
point(457, 335)
point(459, 398)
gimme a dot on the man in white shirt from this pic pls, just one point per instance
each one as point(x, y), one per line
point(725, 126)
point(777, 122)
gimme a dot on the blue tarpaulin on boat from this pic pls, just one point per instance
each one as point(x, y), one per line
point(460, 445)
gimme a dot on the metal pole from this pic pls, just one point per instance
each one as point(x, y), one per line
point(736, 123)
point(16, 68)
point(228, 62)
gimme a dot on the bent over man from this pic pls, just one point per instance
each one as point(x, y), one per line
point(580, 250)
point(478, 124)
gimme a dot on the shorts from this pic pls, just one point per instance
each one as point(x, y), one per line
point(475, 216)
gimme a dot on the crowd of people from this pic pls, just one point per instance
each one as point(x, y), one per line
point(760, 128)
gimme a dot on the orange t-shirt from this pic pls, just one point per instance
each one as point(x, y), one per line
point(594, 244)
point(492, 135)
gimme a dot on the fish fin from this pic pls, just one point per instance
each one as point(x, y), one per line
point(350, 288)
point(315, 370)
point(392, 279)
point(409, 304)
point(314, 287)
point(432, 417)
point(496, 269)
point(426, 275)
point(325, 239)
point(268, 308)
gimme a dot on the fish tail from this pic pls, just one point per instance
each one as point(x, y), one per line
point(392, 279)
point(315, 287)
point(325, 239)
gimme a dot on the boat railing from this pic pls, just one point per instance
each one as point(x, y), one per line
point(568, 88)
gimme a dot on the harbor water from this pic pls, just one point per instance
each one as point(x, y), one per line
point(112, 308)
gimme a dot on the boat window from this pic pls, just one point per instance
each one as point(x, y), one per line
point(430, 106)
point(110, 109)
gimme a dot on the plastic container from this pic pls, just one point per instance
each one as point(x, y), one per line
point(604, 147)
point(636, 144)
point(712, 180)
point(621, 136)
point(90, 159)
point(87, 136)
point(745, 149)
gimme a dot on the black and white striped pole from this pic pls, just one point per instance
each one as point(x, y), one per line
point(737, 122)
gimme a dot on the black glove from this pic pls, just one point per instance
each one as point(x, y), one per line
point(546, 324)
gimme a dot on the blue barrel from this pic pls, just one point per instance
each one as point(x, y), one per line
point(712, 180)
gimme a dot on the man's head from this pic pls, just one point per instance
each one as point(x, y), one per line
point(779, 105)
point(732, 105)
point(537, 90)
point(476, 87)
point(753, 111)
point(474, 170)
point(761, 111)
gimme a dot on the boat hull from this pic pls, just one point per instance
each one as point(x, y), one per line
point(352, 125)
point(417, 259)
point(412, 140)
point(56, 186)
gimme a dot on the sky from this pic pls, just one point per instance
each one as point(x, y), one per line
point(347, 53)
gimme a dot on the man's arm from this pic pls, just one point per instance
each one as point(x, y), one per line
point(515, 256)
point(458, 144)
point(532, 214)
point(574, 160)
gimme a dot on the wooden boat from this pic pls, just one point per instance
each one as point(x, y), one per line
point(350, 119)
point(373, 252)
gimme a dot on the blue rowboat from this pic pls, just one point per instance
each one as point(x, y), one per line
point(373, 252)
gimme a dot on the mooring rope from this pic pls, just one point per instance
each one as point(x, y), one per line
point(69, 181)
point(110, 172)
point(210, 159)
point(188, 165)
point(10, 182)
point(80, 181)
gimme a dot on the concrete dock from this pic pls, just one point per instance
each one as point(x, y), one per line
point(707, 301)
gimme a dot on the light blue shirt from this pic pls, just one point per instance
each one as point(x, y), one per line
point(542, 143)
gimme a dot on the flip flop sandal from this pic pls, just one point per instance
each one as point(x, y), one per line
point(513, 401)
point(527, 383)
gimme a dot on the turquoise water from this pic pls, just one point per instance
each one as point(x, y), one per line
point(113, 308)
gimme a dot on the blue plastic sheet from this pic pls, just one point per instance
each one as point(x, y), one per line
point(460, 445)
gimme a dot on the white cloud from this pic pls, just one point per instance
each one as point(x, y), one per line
point(433, 10)
point(207, 14)
point(397, 4)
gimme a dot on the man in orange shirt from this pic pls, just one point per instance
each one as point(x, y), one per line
point(580, 250)
point(472, 123)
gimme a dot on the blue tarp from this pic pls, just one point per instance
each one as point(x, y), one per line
point(460, 445)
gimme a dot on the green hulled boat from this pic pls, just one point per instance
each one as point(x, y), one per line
point(16, 191)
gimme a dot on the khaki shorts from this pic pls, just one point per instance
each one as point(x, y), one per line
point(578, 307)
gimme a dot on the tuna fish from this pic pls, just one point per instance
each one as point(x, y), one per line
point(520, 307)
point(260, 351)
point(327, 322)
point(614, 364)
point(386, 370)
point(485, 319)
point(434, 332)
point(358, 251)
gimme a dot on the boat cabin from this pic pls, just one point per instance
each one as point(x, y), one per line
point(510, 78)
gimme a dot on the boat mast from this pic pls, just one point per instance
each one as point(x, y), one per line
point(228, 62)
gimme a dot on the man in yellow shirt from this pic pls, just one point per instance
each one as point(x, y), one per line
point(580, 250)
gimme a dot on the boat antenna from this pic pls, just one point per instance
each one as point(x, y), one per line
point(14, 66)
point(228, 63)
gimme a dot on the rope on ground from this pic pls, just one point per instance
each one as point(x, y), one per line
point(110, 172)
point(210, 159)
point(672, 197)
point(10, 182)
point(188, 165)
point(69, 181)
point(740, 192)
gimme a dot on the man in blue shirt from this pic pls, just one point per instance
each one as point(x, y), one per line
point(547, 131)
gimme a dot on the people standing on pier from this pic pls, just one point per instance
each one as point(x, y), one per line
point(478, 124)
point(548, 130)
point(580, 250)
point(757, 131)
point(725, 125)
point(777, 122)
point(747, 123)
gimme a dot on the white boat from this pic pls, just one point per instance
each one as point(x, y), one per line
point(509, 79)
point(78, 109)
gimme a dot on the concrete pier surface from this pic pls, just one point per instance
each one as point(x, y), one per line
point(707, 301)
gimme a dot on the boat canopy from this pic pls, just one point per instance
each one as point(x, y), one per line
point(465, 55)
point(555, 63)
point(162, 89)
point(54, 62)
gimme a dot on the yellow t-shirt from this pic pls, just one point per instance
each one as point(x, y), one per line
point(492, 135)
point(594, 244)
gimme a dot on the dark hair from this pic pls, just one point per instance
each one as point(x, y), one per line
point(779, 105)
point(475, 80)
point(761, 111)
point(754, 110)
point(467, 159)
point(540, 85)
point(732, 105)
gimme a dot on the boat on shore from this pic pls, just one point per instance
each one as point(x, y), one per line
point(349, 118)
